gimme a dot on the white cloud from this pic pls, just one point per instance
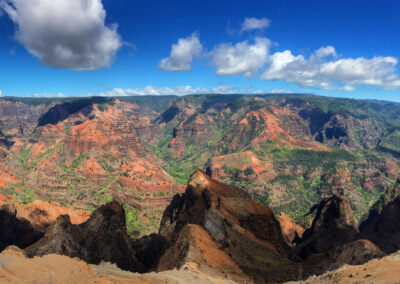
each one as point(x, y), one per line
point(336, 74)
point(326, 51)
point(281, 91)
point(162, 91)
point(1, 93)
point(47, 95)
point(250, 24)
point(241, 58)
point(64, 34)
point(274, 91)
point(182, 54)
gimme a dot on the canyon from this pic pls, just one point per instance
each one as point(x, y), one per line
point(207, 188)
point(212, 233)
point(286, 151)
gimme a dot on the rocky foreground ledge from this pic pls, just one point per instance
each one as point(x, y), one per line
point(213, 233)
point(16, 267)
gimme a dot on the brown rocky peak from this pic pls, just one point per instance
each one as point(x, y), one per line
point(333, 225)
point(354, 253)
point(384, 229)
point(335, 211)
point(246, 231)
point(200, 181)
point(290, 230)
point(102, 237)
point(14, 230)
point(375, 211)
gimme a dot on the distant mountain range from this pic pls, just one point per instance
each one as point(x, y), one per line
point(287, 151)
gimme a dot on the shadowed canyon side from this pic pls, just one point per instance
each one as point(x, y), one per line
point(175, 142)
point(285, 181)
point(287, 151)
point(212, 231)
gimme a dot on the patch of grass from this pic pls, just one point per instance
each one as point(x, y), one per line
point(134, 226)
point(106, 167)
point(101, 193)
point(76, 162)
point(44, 155)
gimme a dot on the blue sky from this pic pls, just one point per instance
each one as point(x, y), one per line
point(80, 47)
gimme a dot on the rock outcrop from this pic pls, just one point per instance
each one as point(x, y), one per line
point(41, 214)
point(384, 229)
point(290, 230)
point(16, 231)
point(357, 252)
point(195, 251)
point(375, 211)
point(246, 231)
point(382, 270)
point(102, 238)
point(149, 250)
point(15, 267)
point(333, 225)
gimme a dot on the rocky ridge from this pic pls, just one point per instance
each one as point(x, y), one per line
point(139, 151)
point(212, 229)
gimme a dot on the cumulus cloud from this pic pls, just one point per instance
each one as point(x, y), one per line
point(250, 24)
point(176, 91)
point(182, 54)
point(241, 58)
point(318, 70)
point(64, 34)
point(49, 95)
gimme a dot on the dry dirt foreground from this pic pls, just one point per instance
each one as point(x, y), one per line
point(15, 267)
point(377, 271)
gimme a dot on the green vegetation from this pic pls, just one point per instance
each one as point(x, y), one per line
point(102, 107)
point(21, 193)
point(392, 141)
point(44, 155)
point(106, 167)
point(25, 154)
point(67, 129)
point(133, 224)
point(76, 162)
point(101, 193)
point(227, 128)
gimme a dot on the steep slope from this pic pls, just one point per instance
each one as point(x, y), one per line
point(87, 151)
point(354, 253)
point(384, 230)
point(242, 229)
point(333, 225)
point(102, 237)
point(287, 151)
point(213, 230)
point(375, 271)
point(290, 230)
point(15, 267)
point(16, 231)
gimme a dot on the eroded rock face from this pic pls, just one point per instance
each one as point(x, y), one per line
point(246, 231)
point(382, 270)
point(149, 250)
point(354, 253)
point(194, 250)
point(41, 214)
point(290, 230)
point(16, 231)
point(15, 267)
point(102, 237)
point(376, 209)
point(384, 229)
point(333, 225)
